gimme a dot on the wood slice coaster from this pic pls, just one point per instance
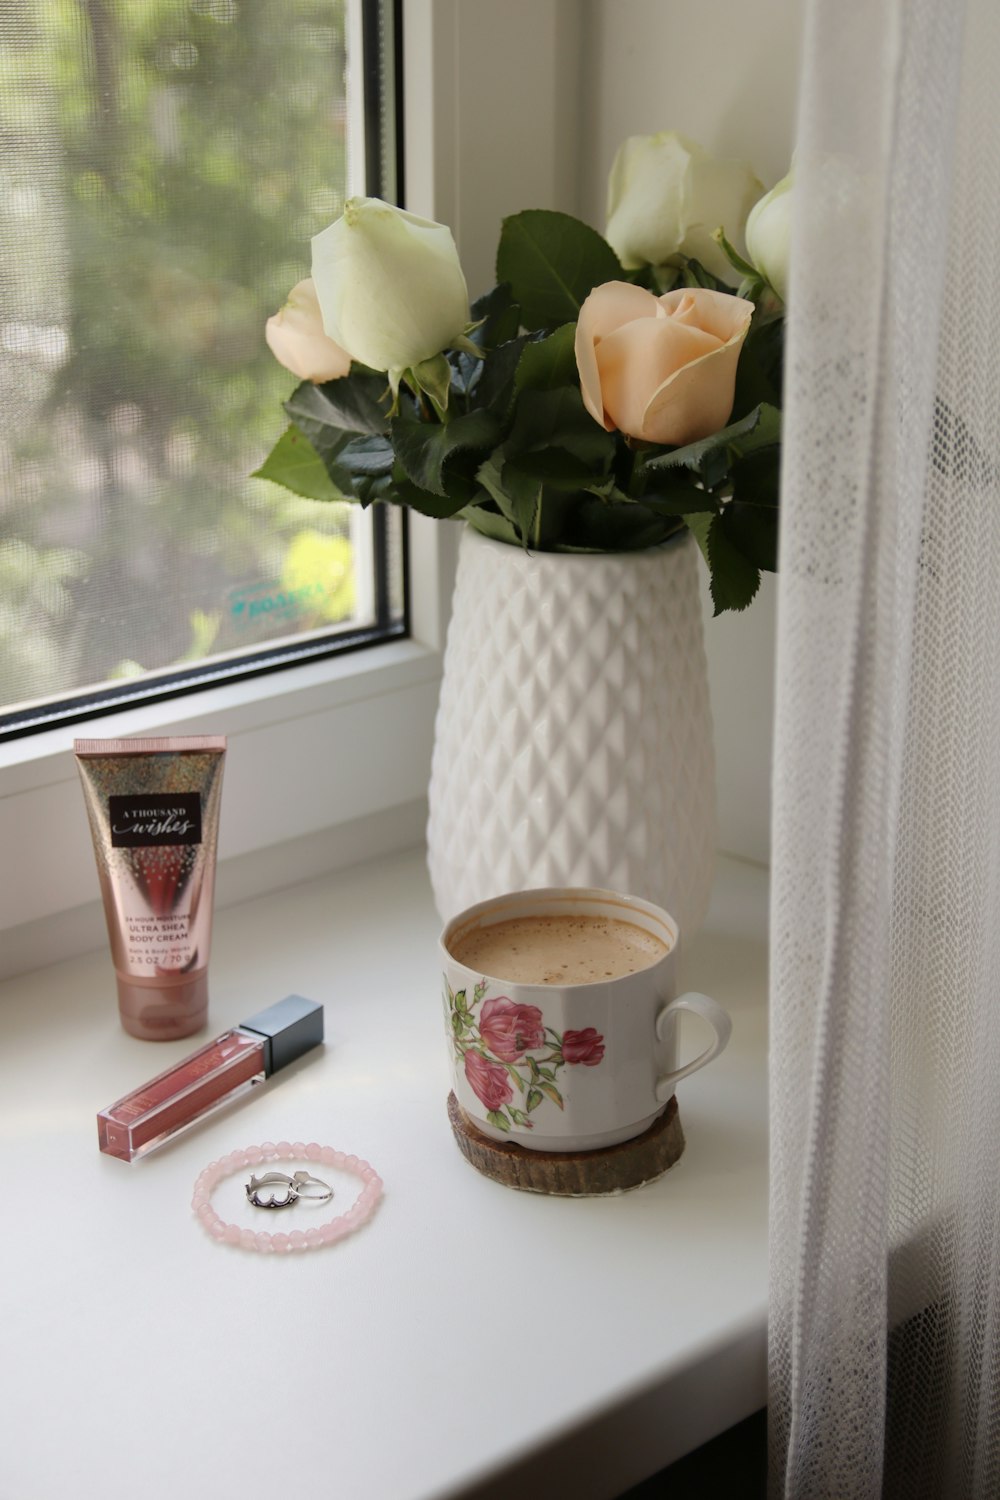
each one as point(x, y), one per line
point(569, 1174)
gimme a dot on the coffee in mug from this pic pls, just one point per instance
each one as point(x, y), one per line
point(559, 948)
point(562, 1014)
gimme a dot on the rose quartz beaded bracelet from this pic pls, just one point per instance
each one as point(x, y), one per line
point(309, 1239)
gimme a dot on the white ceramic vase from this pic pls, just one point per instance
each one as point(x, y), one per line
point(573, 742)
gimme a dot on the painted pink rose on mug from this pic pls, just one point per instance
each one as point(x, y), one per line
point(505, 1045)
point(488, 1081)
point(586, 1047)
point(509, 1029)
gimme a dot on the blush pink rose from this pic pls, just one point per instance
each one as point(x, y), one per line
point(510, 1029)
point(660, 369)
point(488, 1081)
point(586, 1047)
point(296, 338)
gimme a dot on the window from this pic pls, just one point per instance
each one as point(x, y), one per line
point(163, 167)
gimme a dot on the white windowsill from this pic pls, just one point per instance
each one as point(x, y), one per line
point(467, 1340)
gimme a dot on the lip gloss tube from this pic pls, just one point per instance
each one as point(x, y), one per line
point(210, 1078)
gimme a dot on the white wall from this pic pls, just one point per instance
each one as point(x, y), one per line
point(724, 72)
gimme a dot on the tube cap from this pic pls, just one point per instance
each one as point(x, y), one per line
point(161, 1011)
point(290, 1027)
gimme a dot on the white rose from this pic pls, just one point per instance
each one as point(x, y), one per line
point(769, 233)
point(390, 285)
point(296, 339)
point(666, 197)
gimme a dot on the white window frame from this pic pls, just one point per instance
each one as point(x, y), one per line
point(329, 760)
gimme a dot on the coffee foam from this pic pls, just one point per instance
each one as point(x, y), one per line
point(561, 948)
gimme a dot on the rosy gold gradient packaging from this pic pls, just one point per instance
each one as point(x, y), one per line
point(153, 806)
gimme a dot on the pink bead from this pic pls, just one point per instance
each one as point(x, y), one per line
point(316, 1235)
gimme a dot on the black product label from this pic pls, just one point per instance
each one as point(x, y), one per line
point(155, 818)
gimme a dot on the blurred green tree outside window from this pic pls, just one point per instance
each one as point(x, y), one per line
point(163, 165)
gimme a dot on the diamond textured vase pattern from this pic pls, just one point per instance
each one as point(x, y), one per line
point(573, 743)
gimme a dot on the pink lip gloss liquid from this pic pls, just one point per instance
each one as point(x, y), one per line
point(207, 1079)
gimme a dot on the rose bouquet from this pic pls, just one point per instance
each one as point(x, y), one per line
point(607, 393)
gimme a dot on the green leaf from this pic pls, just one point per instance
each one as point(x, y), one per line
point(425, 448)
point(547, 363)
point(711, 456)
point(680, 498)
point(759, 372)
point(425, 502)
point(515, 1076)
point(735, 580)
point(495, 387)
point(559, 417)
point(499, 1120)
point(556, 468)
point(699, 525)
point(497, 317)
point(294, 463)
point(753, 531)
point(489, 523)
point(459, 1001)
point(595, 526)
point(359, 403)
point(552, 262)
point(750, 519)
point(517, 495)
point(533, 1100)
point(433, 378)
point(551, 1092)
point(366, 456)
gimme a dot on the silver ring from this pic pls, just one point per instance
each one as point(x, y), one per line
point(304, 1180)
point(272, 1179)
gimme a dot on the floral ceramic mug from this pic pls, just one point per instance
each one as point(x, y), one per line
point(562, 1010)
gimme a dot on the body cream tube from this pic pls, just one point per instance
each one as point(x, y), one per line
point(153, 806)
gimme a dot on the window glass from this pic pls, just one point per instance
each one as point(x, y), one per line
point(163, 166)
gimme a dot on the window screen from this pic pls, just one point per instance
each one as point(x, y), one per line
point(163, 166)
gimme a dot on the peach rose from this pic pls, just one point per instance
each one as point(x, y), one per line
point(296, 338)
point(661, 369)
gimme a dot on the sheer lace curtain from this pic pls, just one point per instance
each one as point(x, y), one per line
point(885, 1213)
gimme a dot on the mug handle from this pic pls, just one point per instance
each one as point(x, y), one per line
point(710, 1011)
